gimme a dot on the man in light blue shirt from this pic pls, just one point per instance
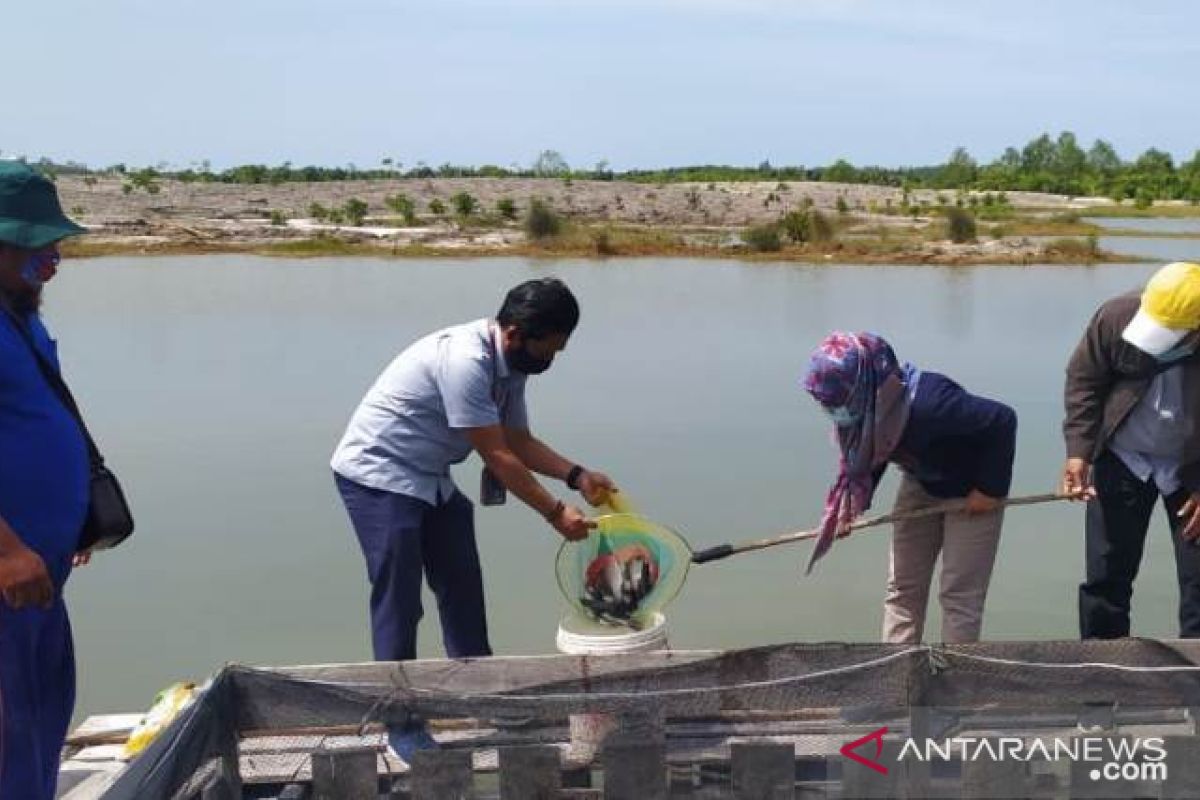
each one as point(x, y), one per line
point(458, 390)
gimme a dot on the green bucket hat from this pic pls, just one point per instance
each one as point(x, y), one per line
point(30, 214)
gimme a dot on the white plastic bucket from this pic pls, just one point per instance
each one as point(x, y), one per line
point(581, 637)
point(578, 637)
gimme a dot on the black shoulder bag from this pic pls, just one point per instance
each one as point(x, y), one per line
point(109, 520)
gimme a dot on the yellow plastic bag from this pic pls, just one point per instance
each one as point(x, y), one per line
point(167, 705)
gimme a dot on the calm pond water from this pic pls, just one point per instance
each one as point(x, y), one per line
point(1150, 225)
point(217, 387)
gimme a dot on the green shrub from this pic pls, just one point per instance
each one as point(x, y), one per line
point(355, 211)
point(278, 218)
point(842, 206)
point(437, 207)
point(541, 221)
point(506, 208)
point(763, 238)
point(1086, 249)
point(820, 228)
point(464, 204)
point(318, 212)
point(960, 225)
point(797, 226)
point(403, 205)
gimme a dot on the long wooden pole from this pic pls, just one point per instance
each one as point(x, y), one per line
point(950, 506)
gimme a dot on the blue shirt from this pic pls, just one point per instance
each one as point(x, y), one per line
point(1150, 440)
point(44, 465)
point(410, 426)
point(955, 441)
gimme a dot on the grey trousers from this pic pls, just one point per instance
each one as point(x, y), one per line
point(967, 544)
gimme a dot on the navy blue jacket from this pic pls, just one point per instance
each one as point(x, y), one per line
point(955, 442)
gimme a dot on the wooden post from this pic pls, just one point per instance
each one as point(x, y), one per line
point(1183, 768)
point(530, 773)
point(763, 771)
point(442, 775)
point(350, 773)
point(634, 771)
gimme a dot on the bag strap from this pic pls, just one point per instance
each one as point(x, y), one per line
point(57, 384)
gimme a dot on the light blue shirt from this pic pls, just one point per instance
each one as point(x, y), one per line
point(1150, 440)
point(410, 426)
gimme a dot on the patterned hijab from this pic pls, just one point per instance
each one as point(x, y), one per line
point(856, 377)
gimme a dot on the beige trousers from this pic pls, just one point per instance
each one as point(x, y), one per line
point(967, 545)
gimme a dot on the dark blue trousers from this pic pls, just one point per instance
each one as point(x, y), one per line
point(403, 539)
point(37, 697)
point(1116, 525)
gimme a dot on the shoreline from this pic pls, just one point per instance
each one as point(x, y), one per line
point(863, 224)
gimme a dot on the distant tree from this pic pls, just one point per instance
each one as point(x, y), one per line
point(841, 171)
point(959, 171)
point(550, 164)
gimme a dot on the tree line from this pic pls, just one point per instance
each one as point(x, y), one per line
point(1045, 164)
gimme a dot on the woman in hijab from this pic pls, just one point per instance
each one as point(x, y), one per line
point(948, 444)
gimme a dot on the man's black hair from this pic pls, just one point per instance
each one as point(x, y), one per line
point(540, 308)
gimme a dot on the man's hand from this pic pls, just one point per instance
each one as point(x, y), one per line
point(571, 524)
point(24, 580)
point(595, 486)
point(81, 559)
point(1190, 514)
point(980, 503)
point(1077, 480)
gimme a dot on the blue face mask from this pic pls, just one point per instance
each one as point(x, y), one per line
point(31, 273)
point(842, 416)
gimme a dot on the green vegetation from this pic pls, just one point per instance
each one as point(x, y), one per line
point(807, 226)
point(355, 211)
point(763, 238)
point(960, 225)
point(464, 204)
point(278, 218)
point(437, 207)
point(1086, 249)
point(541, 221)
point(1057, 164)
point(506, 208)
point(403, 205)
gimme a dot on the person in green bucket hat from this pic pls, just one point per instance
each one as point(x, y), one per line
point(44, 476)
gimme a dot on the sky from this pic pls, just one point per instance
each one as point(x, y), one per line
point(636, 83)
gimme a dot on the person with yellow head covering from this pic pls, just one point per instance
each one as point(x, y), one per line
point(1132, 431)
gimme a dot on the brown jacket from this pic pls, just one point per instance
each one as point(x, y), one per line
point(1107, 376)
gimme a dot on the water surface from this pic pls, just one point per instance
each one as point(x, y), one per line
point(218, 386)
